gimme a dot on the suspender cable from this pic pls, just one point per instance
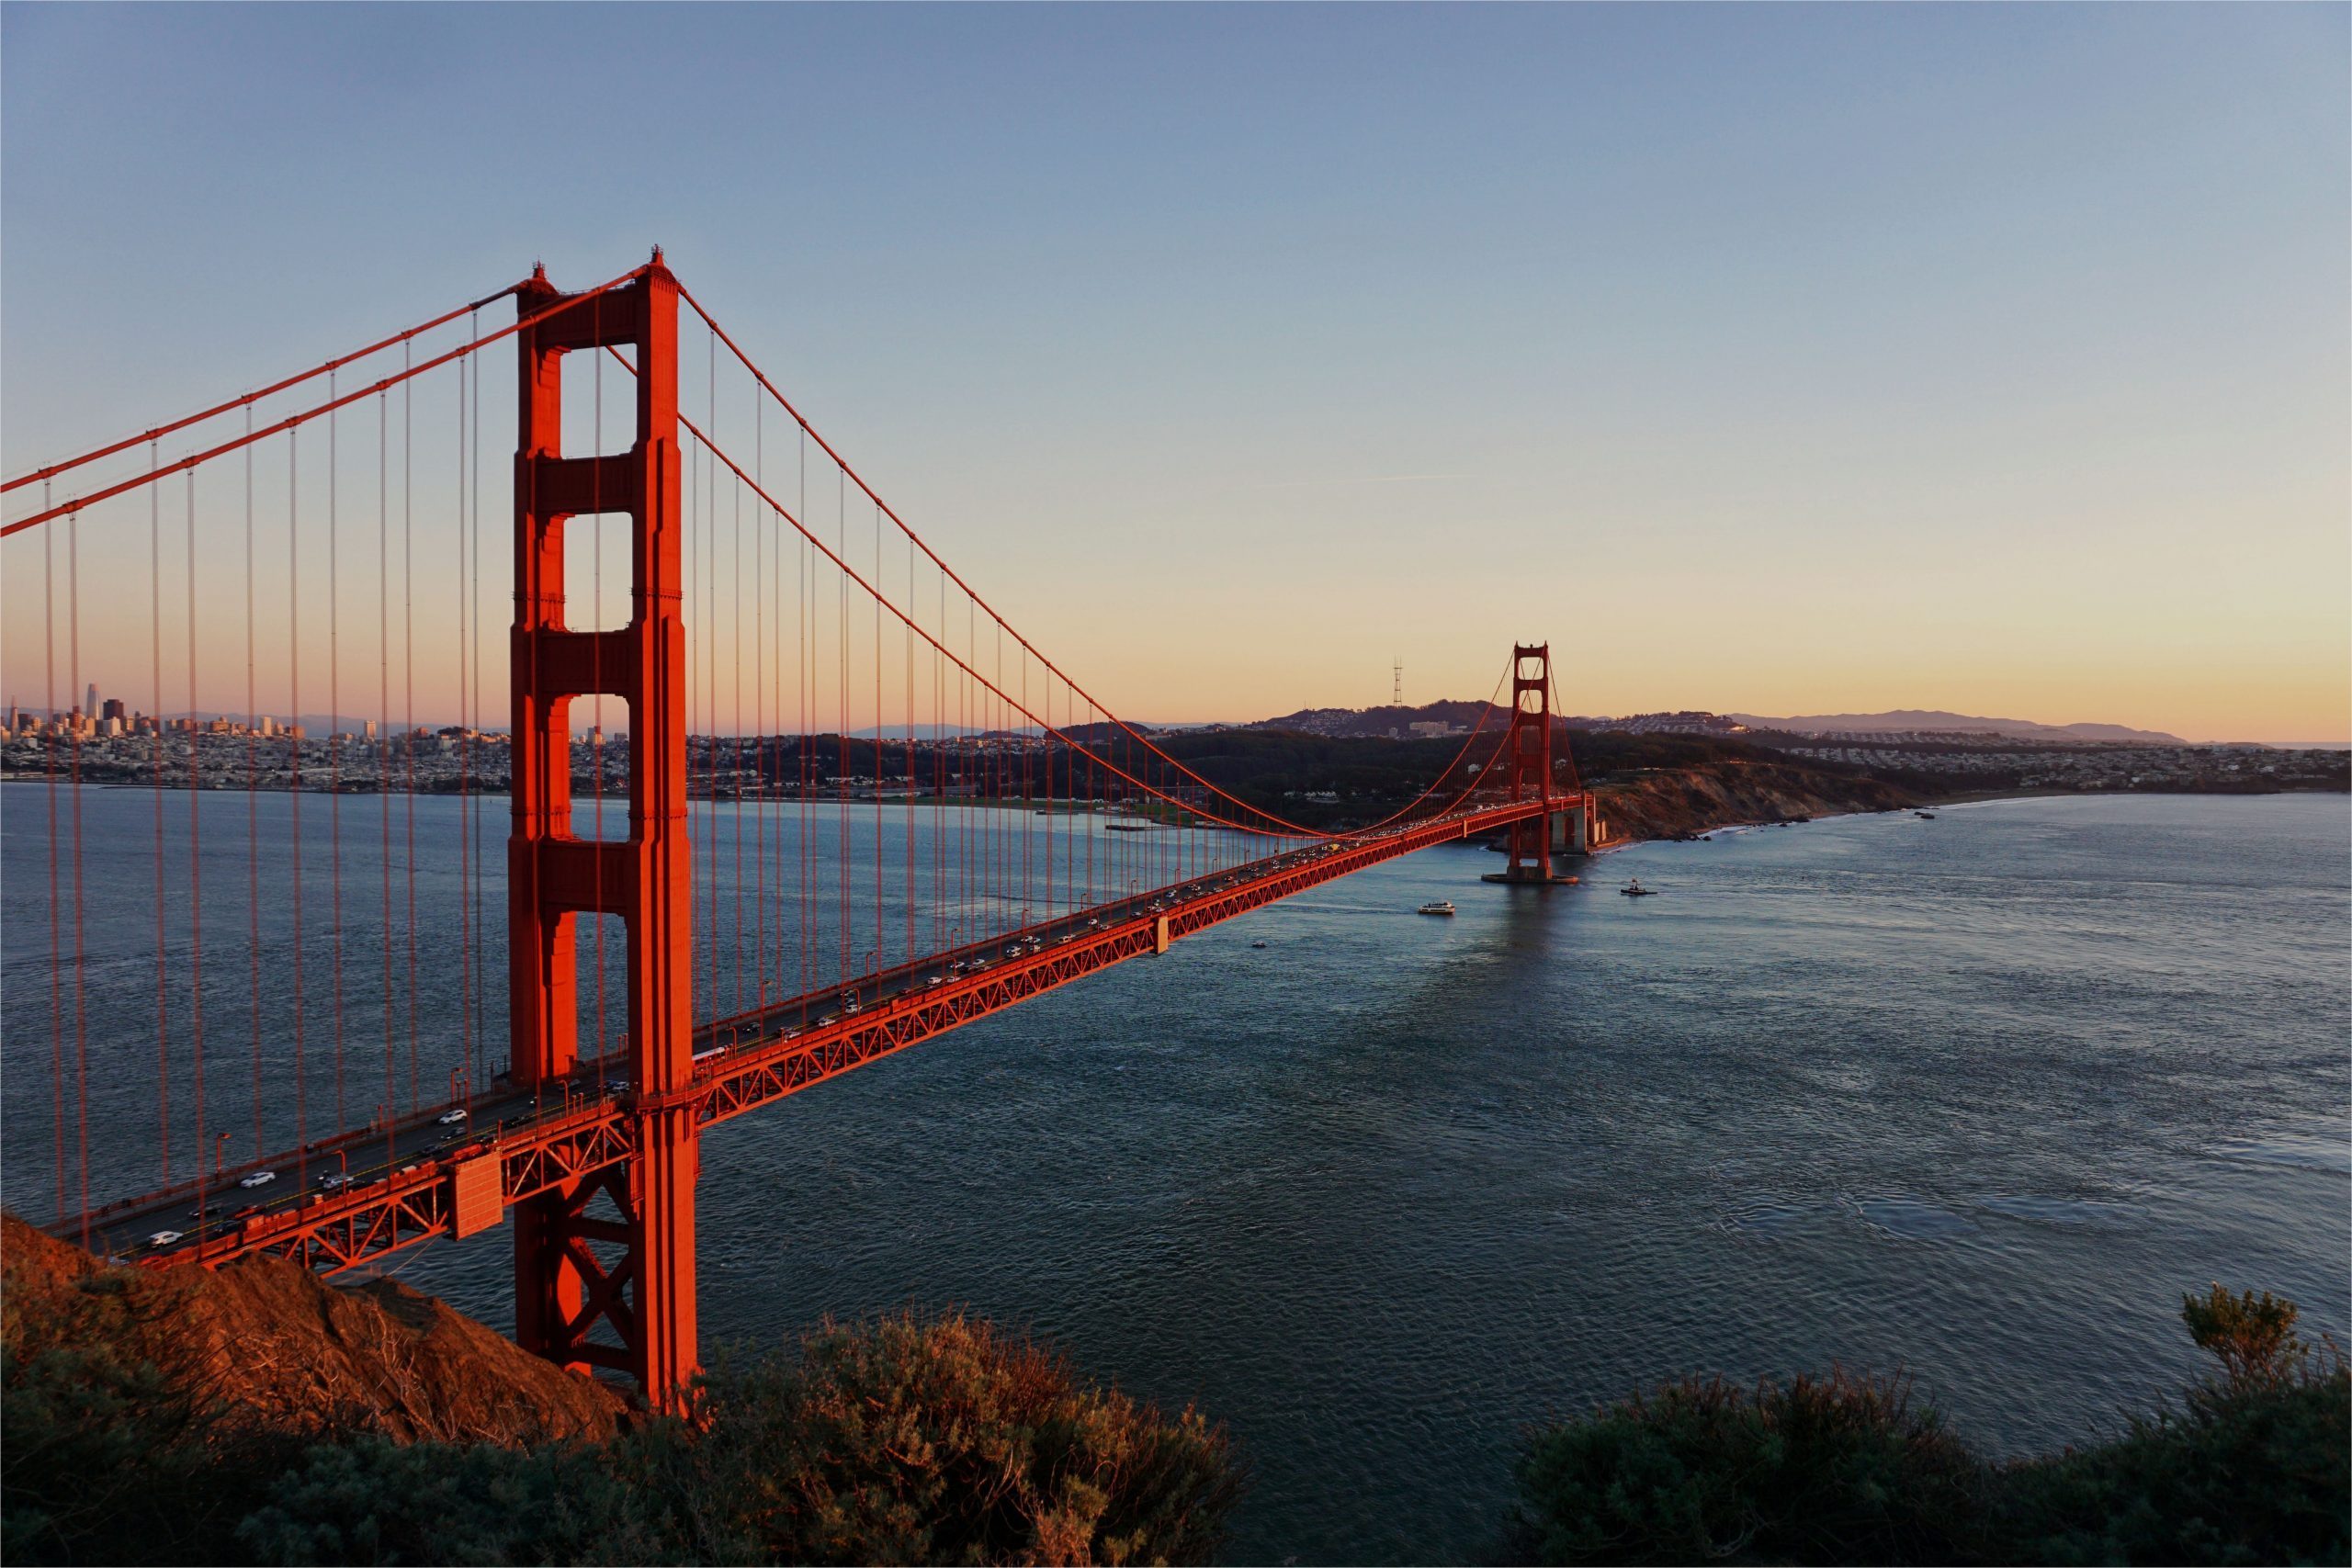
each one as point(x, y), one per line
point(736, 647)
point(81, 1010)
point(334, 746)
point(195, 864)
point(479, 1079)
point(908, 656)
point(408, 664)
point(759, 725)
point(384, 708)
point(466, 721)
point(841, 717)
point(56, 904)
point(875, 960)
point(162, 976)
point(252, 805)
point(294, 790)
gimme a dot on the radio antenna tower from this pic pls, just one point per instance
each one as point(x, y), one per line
point(1396, 693)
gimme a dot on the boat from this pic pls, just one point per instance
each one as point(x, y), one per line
point(1924, 816)
point(1257, 944)
point(1436, 906)
point(1634, 889)
point(1126, 826)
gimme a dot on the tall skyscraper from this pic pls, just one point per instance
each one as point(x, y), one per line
point(91, 706)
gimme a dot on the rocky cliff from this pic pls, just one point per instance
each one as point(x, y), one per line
point(1668, 803)
point(269, 1343)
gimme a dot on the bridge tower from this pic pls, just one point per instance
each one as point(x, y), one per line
point(640, 1288)
point(1530, 748)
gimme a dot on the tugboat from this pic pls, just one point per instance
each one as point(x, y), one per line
point(1436, 906)
point(1634, 889)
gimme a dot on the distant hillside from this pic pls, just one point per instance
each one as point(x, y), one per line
point(1377, 723)
point(1934, 719)
point(1382, 722)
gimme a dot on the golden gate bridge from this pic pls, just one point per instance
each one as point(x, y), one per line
point(968, 868)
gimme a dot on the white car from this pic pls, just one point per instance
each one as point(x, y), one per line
point(334, 1180)
point(258, 1178)
point(453, 1118)
point(162, 1238)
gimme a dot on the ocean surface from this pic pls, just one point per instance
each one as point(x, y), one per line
point(1979, 1097)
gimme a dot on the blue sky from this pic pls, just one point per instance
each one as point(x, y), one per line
point(1770, 359)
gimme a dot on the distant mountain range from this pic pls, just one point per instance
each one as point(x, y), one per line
point(1936, 718)
point(1382, 721)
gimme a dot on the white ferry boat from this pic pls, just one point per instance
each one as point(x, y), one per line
point(1436, 906)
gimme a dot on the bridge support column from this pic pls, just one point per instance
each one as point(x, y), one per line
point(594, 1290)
point(1528, 748)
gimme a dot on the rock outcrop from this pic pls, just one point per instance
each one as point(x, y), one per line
point(1670, 803)
point(268, 1342)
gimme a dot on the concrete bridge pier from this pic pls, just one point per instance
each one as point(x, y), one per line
point(1572, 830)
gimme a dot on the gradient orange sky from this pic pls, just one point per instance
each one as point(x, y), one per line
point(1783, 361)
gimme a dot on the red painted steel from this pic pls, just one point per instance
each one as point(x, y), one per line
point(248, 399)
point(600, 1174)
point(551, 1157)
point(564, 1290)
point(1528, 749)
point(294, 421)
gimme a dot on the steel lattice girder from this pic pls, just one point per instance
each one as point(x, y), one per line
point(336, 1231)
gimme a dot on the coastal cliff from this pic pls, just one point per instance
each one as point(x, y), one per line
point(1672, 803)
point(253, 1415)
point(268, 1344)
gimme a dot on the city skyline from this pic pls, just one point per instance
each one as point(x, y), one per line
point(1799, 361)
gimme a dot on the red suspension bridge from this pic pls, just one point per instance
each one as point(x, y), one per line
point(851, 809)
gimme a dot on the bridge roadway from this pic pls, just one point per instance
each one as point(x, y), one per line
point(351, 1200)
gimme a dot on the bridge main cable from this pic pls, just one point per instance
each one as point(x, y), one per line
point(1294, 829)
point(1283, 825)
point(1286, 829)
point(150, 475)
point(233, 404)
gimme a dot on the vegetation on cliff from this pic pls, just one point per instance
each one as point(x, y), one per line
point(908, 1440)
point(1671, 802)
point(2252, 1465)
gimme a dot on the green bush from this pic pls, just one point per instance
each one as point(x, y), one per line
point(371, 1500)
point(1840, 1469)
point(905, 1441)
point(103, 1462)
point(103, 1459)
point(945, 1441)
point(2254, 1465)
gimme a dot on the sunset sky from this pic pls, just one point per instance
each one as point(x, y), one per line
point(1772, 360)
